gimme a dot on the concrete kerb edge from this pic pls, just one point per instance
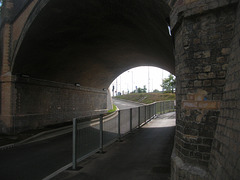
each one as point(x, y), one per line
point(28, 140)
point(58, 171)
point(7, 146)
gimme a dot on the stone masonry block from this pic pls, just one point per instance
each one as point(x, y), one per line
point(226, 51)
point(203, 76)
point(190, 96)
point(208, 105)
point(189, 104)
point(207, 83)
point(199, 97)
point(198, 83)
point(207, 68)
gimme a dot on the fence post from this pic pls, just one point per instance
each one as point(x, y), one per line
point(101, 133)
point(139, 116)
point(159, 107)
point(169, 106)
point(145, 113)
point(74, 155)
point(119, 124)
point(151, 111)
point(130, 119)
point(155, 109)
point(163, 107)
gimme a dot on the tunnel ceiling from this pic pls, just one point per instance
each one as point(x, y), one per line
point(92, 41)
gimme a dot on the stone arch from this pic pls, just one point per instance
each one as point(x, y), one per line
point(56, 44)
point(105, 36)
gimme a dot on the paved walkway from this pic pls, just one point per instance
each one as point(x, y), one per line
point(143, 155)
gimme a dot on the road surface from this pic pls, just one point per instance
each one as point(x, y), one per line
point(37, 160)
point(125, 104)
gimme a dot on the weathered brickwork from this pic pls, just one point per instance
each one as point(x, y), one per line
point(39, 103)
point(7, 94)
point(206, 37)
point(185, 8)
point(20, 22)
point(202, 48)
point(225, 157)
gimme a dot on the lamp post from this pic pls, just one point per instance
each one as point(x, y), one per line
point(132, 80)
point(148, 80)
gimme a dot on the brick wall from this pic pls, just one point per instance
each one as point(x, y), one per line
point(225, 157)
point(20, 22)
point(202, 33)
point(39, 103)
point(19, 6)
point(201, 68)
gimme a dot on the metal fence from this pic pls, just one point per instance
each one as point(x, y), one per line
point(91, 135)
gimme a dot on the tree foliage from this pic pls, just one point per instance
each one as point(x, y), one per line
point(141, 90)
point(156, 91)
point(169, 84)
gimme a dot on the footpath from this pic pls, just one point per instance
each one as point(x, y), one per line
point(142, 155)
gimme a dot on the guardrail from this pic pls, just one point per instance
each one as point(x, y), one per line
point(91, 136)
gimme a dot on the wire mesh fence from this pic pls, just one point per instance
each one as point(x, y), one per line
point(90, 136)
point(124, 121)
point(135, 117)
point(110, 130)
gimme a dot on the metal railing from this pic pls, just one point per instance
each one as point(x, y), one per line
point(90, 136)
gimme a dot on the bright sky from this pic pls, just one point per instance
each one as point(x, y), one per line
point(138, 77)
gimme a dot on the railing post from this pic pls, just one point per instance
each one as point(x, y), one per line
point(169, 106)
point(130, 119)
point(74, 155)
point(101, 133)
point(119, 124)
point(159, 107)
point(151, 111)
point(145, 113)
point(163, 107)
point(139, 113)
point(155, 109)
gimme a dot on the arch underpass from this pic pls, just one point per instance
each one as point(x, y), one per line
point(92, 42)
point(58, 57)
point(64, 55)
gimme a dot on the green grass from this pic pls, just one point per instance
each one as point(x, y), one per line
point(148, 98)
point(112, 110)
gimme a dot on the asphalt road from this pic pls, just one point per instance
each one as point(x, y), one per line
point(37, 160)
point(125, 104)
